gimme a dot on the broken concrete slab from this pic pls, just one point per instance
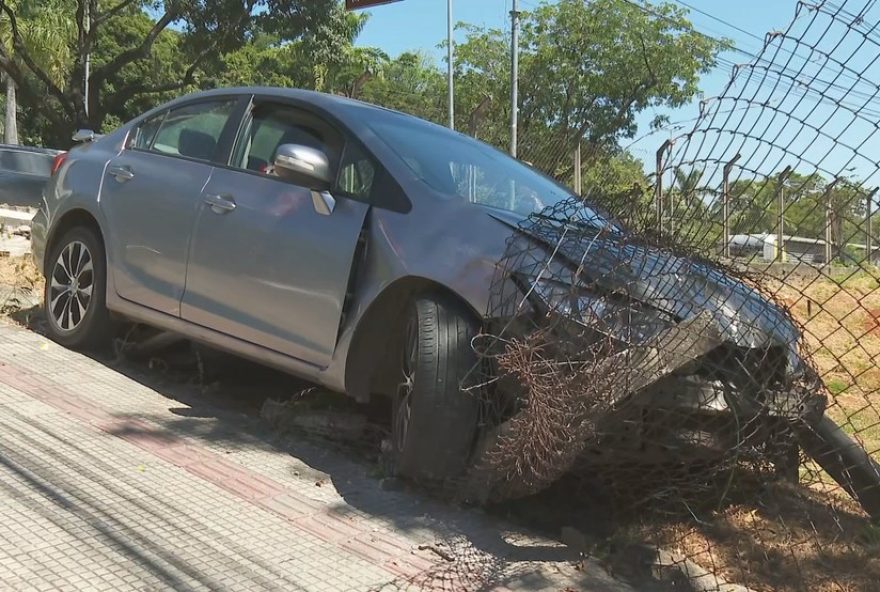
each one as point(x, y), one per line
point(16, 217)
point(14, 245)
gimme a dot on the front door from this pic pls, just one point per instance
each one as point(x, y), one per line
point(267, 263)
point(151, 195)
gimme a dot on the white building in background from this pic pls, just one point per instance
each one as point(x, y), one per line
point(763, 247)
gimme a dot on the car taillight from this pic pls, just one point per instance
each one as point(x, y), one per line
point(58, 161)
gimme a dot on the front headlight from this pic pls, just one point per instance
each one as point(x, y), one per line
point(627, 321)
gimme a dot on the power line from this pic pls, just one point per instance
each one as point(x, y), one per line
point(795, 80)
point(719, 19)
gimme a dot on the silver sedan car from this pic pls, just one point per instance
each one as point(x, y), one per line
point(344, 243)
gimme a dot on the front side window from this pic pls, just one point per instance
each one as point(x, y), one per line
point(272, 125)
point(192, 130)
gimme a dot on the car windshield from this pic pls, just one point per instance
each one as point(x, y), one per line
point(457, 165)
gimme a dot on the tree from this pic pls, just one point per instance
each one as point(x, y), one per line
point(45, 29)
point(618, 183)
point(810, 204)
point(586, 70)
point(409, 83)
point(196, 31)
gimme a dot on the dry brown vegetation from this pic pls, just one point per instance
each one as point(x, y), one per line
point(773, 536)
point(840, 318)
point(783, 538)
point(21, 273)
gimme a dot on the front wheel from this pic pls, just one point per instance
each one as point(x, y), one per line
point(75, 292)
point(434, 420)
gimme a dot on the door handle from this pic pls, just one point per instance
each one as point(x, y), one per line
point(121, 173)
point(220, 204)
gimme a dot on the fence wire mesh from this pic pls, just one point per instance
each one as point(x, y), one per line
point(705, 350)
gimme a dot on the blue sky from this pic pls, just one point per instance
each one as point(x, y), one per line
point(421, 25)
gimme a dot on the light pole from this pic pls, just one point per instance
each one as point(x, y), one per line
point(87, 61)
point(514, 76)
point(450, 83)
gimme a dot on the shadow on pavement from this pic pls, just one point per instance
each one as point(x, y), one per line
point(218, 402)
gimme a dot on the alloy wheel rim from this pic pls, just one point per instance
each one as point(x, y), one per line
point(70, 286)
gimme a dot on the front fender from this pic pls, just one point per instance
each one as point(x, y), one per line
point(451, 247)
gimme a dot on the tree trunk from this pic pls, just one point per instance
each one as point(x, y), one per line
point(10, 129)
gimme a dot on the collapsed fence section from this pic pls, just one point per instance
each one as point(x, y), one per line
point(706, 349)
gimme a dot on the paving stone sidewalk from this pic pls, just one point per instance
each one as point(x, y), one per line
point(106, 484)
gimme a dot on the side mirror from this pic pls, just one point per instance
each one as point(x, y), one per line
point(304, 166)
point(84, 135)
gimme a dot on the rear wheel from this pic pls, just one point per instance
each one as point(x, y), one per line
point(434, 420)
point(75, 292)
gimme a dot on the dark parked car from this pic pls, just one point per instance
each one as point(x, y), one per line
point(349, 245)
point(24, 171)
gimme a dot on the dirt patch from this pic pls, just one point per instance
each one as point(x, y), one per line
point(780, 538)
point(872, 323)
point(840, 320)
point(20, 272)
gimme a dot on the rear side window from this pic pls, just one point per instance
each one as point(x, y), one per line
point(146, 132)
point(192, 130)
point(30, 163)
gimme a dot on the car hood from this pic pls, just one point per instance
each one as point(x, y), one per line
point(678, 285)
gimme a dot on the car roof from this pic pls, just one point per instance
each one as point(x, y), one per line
point(31, 149)
point(352, 111)
point(327, 101)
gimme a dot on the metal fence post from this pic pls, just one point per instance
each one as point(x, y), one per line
point(658, 187)
point(578, 183)
point(780, 223)
point(725, 212)
point(869, 240)
point(826, 200)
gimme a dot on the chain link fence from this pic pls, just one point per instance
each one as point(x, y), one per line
point(705, 349)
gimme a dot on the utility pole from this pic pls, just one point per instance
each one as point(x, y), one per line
point(450, 83)
point(780, 224)
point(725, 211)
point(514, 76)
point(87, 58)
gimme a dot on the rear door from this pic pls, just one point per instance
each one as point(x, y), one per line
point(151, 195)
point(269, 267)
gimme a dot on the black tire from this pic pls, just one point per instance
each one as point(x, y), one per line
point(94, 328)
point(436, 441)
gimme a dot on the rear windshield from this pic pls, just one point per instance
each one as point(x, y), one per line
point(30, 163)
